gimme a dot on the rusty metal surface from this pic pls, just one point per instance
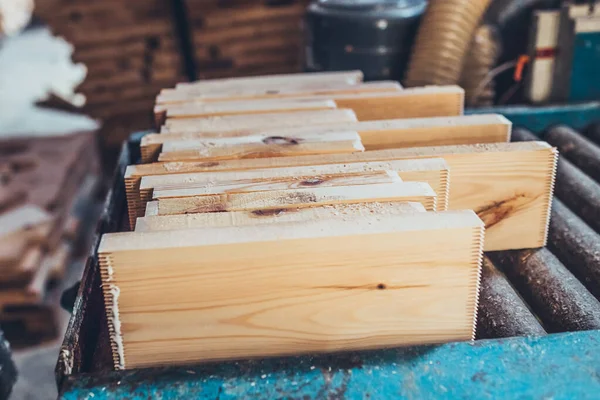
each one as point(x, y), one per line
point(576, 245)
point(502, 312)
point(561, 302)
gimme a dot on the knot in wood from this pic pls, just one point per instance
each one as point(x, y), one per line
point(282, 140)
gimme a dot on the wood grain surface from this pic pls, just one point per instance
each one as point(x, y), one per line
point(375, 135)
point(509, 185)
point(260, 147)
point(242, 218)
point(275, 184)
point(186, 102)
point(316, 286)
point(297, 198)
point(139, 186)
point(255, 121)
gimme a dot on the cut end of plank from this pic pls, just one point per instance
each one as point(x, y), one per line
point(549, 194)
point(478, 256)
point(111, 294)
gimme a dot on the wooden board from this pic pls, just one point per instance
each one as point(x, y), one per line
point(275, 184)
point(297, 198)
point(373, 281)
point(258, 147)
point(258, 217)
point(255, 121)
point(140, 180)
point(245, 107)
point(508, 184)
point(431, 101)
point(375, 135)
point(180, 102)
point(351, 77)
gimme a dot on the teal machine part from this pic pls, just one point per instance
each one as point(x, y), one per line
point(585, 68)
point(538, 119)
point(557, 366)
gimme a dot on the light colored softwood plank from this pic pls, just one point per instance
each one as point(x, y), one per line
point(256, 121)
point(257, 217)
point(252, 107)
point(508, 184)
point(139, 187)
point(173, 100)
point(257, 147)
point(274, 184)
point(297, 198)
point(243, 107)
point(375, 135)
point(350, 77)
point(431, 101)
point(373, 281)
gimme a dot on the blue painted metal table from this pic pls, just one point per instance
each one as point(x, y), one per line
point(561, 366)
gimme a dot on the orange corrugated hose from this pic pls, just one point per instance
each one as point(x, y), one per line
point(443, 40)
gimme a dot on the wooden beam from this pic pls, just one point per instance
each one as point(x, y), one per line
point(431, 101)
point(297, 198)
point(173, 103)
point(508, 184)
point(259, 146)
point(373, 281)
point(140, 180)
point(173, 99)
point(242, 218)
point(275, 184)
point(243, 107)
point(255, 121)
point(375, 135)
point(348, 77)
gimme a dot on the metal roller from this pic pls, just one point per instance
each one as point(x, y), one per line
point(578, 149)
point(501, 312)
point(576, 245)
point(574, 188)
point(593, 133)
point(579, 192)
point(560, 301)
point(523, 135)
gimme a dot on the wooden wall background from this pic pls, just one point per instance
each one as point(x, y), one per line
point(132, 49)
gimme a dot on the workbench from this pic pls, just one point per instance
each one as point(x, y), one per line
point(556, 366)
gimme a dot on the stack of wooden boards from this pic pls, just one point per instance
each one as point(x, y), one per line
point(130, 49)
point(240, 37)
point(42, 181)
point(313, 212)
